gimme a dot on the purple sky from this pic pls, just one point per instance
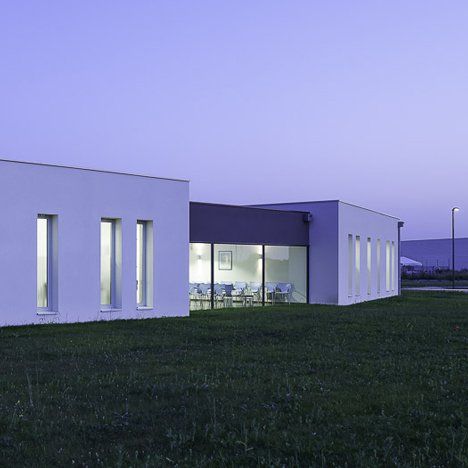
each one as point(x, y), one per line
point(253, 101)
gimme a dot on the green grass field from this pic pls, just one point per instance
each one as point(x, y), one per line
point(374, 384)
point(434, 283)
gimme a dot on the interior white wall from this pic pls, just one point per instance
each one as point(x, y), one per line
point(365, 223)
point(246, 264)
point(200, 263)
point(79, 199)
point(288, 265)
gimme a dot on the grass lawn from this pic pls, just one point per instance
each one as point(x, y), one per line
point(420, 283)
point(374, 384)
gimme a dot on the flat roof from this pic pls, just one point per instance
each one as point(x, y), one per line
point(253, 207)
point(328, 201)
point(91, 170)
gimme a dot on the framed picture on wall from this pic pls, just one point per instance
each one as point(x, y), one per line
point(225, 260)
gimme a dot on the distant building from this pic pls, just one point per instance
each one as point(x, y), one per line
point(437, 253)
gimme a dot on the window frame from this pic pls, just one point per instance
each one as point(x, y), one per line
point(49, 309)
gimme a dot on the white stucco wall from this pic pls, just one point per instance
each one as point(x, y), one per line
point(364, 223)
point(332, 222)
point(80, 198)
point(323, 250)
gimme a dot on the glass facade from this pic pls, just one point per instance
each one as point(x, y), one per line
point(200, 276)
point(285, 274)
point(237, 274)
point(43, 262)
point(246, 275)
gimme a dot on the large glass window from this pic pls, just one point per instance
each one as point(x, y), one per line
point(144, 263)
point(43, 261)
point(285, 274)
point(200, 276)
point(393, 266)
point(237, 274)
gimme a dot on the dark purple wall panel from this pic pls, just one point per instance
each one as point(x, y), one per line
point(246, 225)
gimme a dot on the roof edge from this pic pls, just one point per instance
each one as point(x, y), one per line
point(253, 207)
point(331, 201)
point(91, 170)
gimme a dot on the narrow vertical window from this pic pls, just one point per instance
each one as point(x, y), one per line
point(357, 265)
point(111, 264)
point(44, 262)
point(393, 266)
point(350, 264)
point(379, 264)
point(387, 266)
point(140, 263)
point(369, 266)
point(107, 261)
point(144, 264)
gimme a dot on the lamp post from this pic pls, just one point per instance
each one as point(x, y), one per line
point(454, 210)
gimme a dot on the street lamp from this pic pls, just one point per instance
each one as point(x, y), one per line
point(454, 210)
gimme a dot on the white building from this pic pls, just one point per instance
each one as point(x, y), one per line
point(85, 245)
point(354, 252)
point(82, 245)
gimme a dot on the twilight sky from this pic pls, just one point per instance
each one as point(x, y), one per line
point(254, 101)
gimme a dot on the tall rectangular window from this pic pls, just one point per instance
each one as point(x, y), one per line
point(379, 264)
point(357, 265)
point(350, 264)
point(144, 263)
point(111, 263)
point(107, 260)
point(44, 261)
point(393, 266)
point(369, 266)
point(387, 266)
